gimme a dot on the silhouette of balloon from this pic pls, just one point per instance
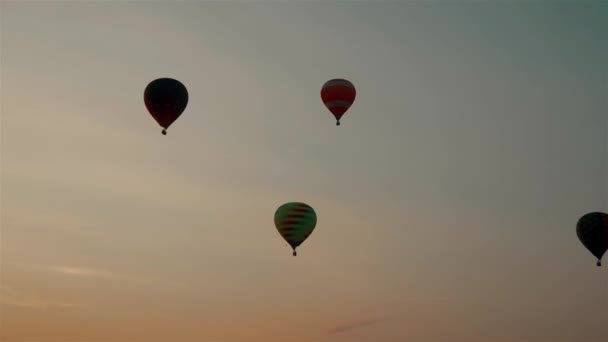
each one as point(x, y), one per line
point(166, 100)
point(592, 230)
point(295, 222)
point(338, 95)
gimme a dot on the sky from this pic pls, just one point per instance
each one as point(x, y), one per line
point(447, 200)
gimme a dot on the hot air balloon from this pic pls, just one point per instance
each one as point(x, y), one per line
point(592, 230)
point(166, 100)
point(338, 95)
point(295, 221)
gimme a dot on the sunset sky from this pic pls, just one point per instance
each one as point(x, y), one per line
point(447, 200)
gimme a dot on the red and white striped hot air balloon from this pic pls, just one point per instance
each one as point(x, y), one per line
point(338, 95)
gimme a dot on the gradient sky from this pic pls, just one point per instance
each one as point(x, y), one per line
point(446, 201)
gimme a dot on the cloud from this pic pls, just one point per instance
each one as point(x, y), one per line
point(346, 327)
point(79, 271)
point(12, 297)
point(427, 299)
point(86, 272)
point(354, 325)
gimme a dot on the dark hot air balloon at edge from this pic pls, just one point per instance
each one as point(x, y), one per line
point(592, 230)
point(338, 95)
point(165, 99)
point(295, 222)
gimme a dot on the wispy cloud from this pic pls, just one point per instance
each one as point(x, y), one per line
point(350, 326)
point(13, 297)
point(427, 299)
point(86, 272)
point(80, 271)
point(354, 325)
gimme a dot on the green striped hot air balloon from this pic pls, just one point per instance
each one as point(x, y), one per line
point(295, 221)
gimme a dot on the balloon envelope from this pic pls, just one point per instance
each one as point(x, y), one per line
point(165, 99)
point(338, 95)
point(592, 230)
point(295, 221)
